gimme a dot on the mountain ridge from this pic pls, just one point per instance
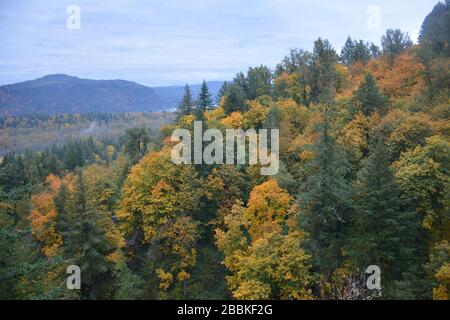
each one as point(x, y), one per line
point(61, 93)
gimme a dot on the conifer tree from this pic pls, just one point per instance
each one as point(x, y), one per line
point(394, 42)
point(385, 231)
point(86, 246)
point(347, 51)
point(325, 198)
point(204, 101)
point(186, 105)
point(368, 97)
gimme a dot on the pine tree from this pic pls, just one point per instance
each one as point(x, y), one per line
point(325, 198)
point(394, 42)
point(323, 70)
point(204, 101)
point(234, 99)
point(385, 231)
point(368, 97)
point(434, 33)
point(187, 104)
point(136, 143)
point(86, 245)
point(347, 52)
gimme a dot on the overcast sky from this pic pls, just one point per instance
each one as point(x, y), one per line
point(167, 42)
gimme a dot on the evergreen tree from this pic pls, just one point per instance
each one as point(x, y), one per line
point(300, 63)
point(324, 74)
point(86, 245)
point(394, 42)
point(234, 99)
point(222, 91)
point(12, 173)
point(374, 50)
point(385, 231)
point(136, 143)
point(259, 82)
point(347, 52)
point(186, 105)
point(325, 198)
point(354, 51)
point(362, 51)
point(368, 97)
point(204, 101)
point(435, 31)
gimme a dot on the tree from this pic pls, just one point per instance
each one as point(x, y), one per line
point(86, 244)
point(354, 51)
point(368, 97)
point(136, 143)
point(324, 197)
point(324, 72)
point(435, 31)
point(43, 218)
point(295, 75)
point(434, 50)
point(15, 253)
point(423, 173)
point(385, 231)
point(347, 52)
point(259, 82)
point(12, 173)
point(262, 247)
point(156, 214)
point(186, 105)
point(411, 132)
point(394, 42)
point(204, 101)
point(233, 99)
point(439, 269)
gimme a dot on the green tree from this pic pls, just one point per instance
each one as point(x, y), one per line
point(299, 63)
point(325, 198)
point(393, 42)
point(424, 175)
point(324, 74)
point(86, 245)
point(12, 173)
point(259, 82)
point(385, 230)
point(368, 97)
point(435, 31)
point(204, 101)
point(354, 51)
point(186, 105)
point(234, 99)
point(136, 143)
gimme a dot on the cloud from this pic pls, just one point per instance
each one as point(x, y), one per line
point(171, 42)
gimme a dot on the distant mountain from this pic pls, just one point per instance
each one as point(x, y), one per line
point(61, 93)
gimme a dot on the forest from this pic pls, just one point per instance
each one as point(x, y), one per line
point(364, 180)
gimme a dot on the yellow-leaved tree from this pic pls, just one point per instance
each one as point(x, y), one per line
point(159, 200)
point(263, 250)
point(43, 217)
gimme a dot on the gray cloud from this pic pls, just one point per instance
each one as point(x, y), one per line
point(171, 42)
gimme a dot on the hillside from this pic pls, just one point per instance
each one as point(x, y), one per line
point(66, 94)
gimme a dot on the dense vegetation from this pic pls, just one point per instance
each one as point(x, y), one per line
point(37, 132)
point(364, 180)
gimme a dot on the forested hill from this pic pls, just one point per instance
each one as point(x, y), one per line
point(361, 192)
point(66, 94)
